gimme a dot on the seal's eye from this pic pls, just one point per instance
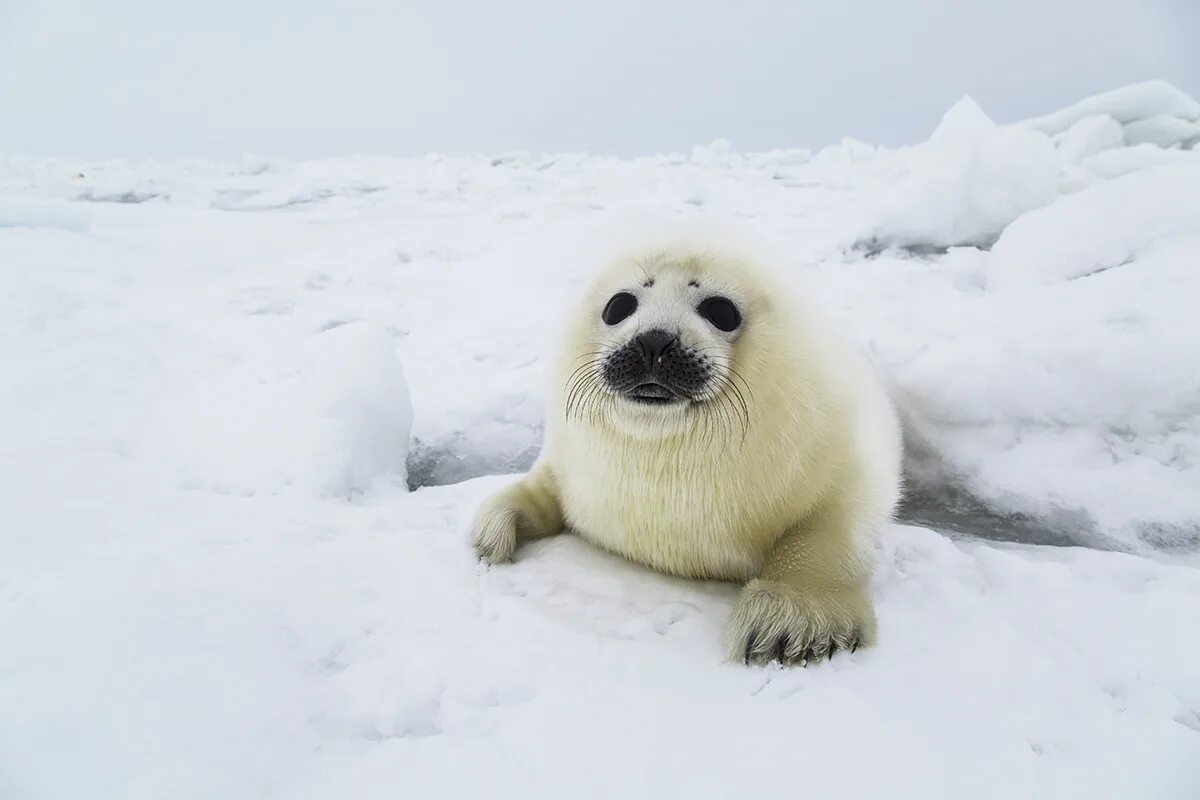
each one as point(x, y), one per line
point(618, 308)
point(721, 312)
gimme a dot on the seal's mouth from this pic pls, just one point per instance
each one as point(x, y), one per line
point(654, 394)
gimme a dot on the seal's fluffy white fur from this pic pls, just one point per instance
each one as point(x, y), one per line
point(781, 479)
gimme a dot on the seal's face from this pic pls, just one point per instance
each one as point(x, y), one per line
point(661, 351)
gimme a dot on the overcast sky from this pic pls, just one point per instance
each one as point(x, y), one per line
point(98, 78)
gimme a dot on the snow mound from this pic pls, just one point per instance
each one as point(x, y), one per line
point(1059, 413)
point(1154, 111)
point(1163, 130)
point(1087, 137)
point(1119, 161)
point(972, 178)
point(1121, 131)
point(1101, 227)
point(962, 187)
point(718, 153)
point(331, 415)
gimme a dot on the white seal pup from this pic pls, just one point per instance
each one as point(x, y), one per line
point(704, 422)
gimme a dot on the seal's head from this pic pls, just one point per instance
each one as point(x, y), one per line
point(659, 343)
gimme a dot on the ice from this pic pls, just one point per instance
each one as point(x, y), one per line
point(1099, 449)
point(972, 178)
point(1128, 126)
point(1099, 228)
point(964, 185)
point(1125, 105)
point(28, 213)
point(1163, 130)
point(1087, 137)
point(1124, 160)
point(249, 407)
point(716, 154)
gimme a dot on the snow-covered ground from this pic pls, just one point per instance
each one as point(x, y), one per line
point(215, 582)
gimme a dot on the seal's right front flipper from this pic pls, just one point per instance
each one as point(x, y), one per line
point(527, 509)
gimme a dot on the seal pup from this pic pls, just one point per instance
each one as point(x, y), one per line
point(705, 422)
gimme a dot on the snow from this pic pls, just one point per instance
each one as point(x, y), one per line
point(1124, 160)
point(21, 213)
point(1101, 227)
point(1163, 130)
point(1128, 104)
point(333, 414)
point(1087, 137)
point(223, 378)
point(964, 185)
point(1087, 421)
point(354, 650)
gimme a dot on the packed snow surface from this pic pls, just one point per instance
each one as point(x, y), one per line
point(222, 380)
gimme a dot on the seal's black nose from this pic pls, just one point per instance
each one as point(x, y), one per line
point(654, 344)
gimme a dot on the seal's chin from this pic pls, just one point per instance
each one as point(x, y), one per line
point(651, 410)
point(653, 394)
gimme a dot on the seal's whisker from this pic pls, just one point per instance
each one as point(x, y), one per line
point(585, 390)
point(590, 398)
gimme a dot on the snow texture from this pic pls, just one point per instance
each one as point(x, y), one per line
point(1098, 228)
point(224, 379)
point(22, 213)
point(1087, 137)
point(1129, 105)
point(964, 185)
